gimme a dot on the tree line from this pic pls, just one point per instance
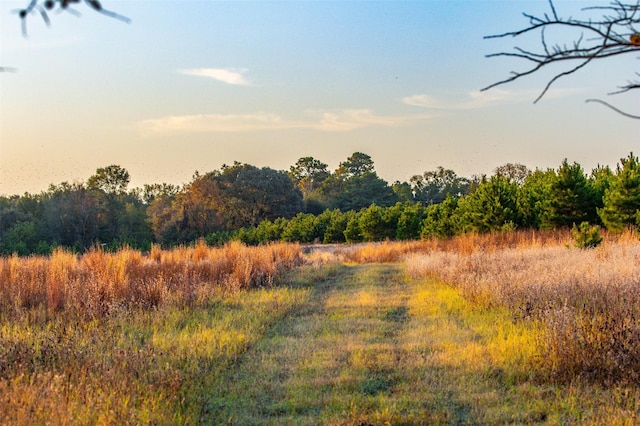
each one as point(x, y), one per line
point(309, 203)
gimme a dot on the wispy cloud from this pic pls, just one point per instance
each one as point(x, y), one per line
point(231, 76)
point(329, 121)
point(477, 99)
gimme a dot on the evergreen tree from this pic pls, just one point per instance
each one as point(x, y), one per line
point(491, 207)
point(571, 198)
point(533, 196)
point(622, 198)
point(440, 219)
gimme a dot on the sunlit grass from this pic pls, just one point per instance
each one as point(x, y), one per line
point(98, 283)
point(372, 347)
point(136, 368)
point(477, 331)
point(125, 338)
point(587, 300)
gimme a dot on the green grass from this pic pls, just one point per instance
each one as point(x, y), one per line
point(133, 368)
point(374, 347)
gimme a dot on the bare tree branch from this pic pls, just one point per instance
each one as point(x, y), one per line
point(44, 7)
point(616, 33)
point(608, 105)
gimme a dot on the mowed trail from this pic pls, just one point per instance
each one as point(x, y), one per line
point(370, 347)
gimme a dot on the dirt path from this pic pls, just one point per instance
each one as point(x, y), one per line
point(370, 347)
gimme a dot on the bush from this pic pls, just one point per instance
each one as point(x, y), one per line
point(586, 236)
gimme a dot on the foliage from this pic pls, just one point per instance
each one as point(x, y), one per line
point(440, 219)
point(492, 205)
point(303, 228)
point(621, 201)
point(308, 174)
point(433, 187)
point(355, 185)
point(517, 173)
point(586, 235)
point(571, 198)
point(261, 205)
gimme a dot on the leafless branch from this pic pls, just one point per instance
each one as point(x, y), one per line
point(615, 33)
point(608, 105)
point(44, 7)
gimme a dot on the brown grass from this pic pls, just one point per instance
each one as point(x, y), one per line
point(97, 283)
point(389, 251)
point(589, 300)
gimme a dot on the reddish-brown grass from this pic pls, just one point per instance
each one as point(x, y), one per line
point(462, 244)
point(97, 282)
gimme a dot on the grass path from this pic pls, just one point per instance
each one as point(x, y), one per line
point(372, 347)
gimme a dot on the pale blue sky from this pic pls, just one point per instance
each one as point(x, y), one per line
point(191, 85)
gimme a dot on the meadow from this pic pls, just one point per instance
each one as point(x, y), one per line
point(514, 327)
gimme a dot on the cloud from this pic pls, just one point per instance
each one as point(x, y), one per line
point(329, 121)
point(225, 75)
point(489, 98)
point(352, 119)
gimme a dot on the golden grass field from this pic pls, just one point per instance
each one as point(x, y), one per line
point(516, 327)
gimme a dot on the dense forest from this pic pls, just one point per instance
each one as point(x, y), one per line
point(309, 203)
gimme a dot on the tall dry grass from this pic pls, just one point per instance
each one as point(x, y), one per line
point(394, 251)
point(97, 282)
point(588, 300)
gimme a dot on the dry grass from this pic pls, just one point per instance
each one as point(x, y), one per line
point(589, 300)
point(390, 251)
point(97, 283)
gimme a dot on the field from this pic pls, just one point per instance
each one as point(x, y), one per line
point(482, 329)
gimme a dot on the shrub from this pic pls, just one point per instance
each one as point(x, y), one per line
point(586, 236)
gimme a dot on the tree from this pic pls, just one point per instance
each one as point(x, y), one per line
point(374, 224)
point(355, 185)
point(533, 196)
point(434, 186)
point(152, 191)
point(109, 185)
point(622, 199)
point(335, 224)
point(260, 193)
point(356, 165)
point(112, 180)
point(71, 215)
point(308, 174)
point(44, 7)
point(409, 223)
point(162, 216)
point(302, 228)
point(515, 172)
point(440, 219)
point(571, 199)
point(491, 207)
point(613, 34)
point(403, 191)
point(231, 198)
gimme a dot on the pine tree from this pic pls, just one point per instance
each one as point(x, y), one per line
point(572, 199)
point(622, 198)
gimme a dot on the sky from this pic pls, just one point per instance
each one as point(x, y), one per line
point(189, 86)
